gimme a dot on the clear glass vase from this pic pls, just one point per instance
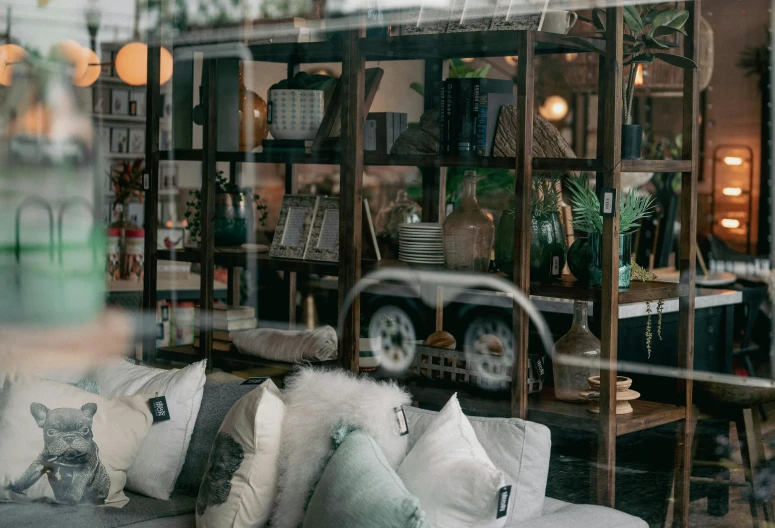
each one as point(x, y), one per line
point(468, 232)
point(575, 357)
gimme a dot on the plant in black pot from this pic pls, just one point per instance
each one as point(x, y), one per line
point(232, 216)
point(643, 28)
point(585, 256)
point(547, 236)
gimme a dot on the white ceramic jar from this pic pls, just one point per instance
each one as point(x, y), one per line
point(295, 114)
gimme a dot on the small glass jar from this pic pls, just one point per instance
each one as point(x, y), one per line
point(402, 210)
point(575, 357)
point(468, 232)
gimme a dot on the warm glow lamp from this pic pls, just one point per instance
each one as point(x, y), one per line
point(639, 76)
point(732, 191)
point(730, 223)
point(132, 64)
point(75, 54)
point(92, 71)
point(9, 54)
point(733, 161)
point(554, 108)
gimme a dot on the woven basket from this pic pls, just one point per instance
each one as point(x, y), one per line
point(481, 370)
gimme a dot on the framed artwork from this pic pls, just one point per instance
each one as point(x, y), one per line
point(324, 236)
point(107, 63)
point(138, 96)
point(101, 101)
point(136, 140)
point(293, 226)
point(135, 212)
point(119, 140)
point(119, 102)
point(170, 238)
point(168, 176)
point(103, 139)
point(165, 139)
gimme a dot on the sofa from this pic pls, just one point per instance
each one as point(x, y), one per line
point(178, 512)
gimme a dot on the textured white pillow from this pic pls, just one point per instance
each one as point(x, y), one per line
point(59, 443)
point(240, 484)
point(317, 403)
point(162, 455)
point(449, 471)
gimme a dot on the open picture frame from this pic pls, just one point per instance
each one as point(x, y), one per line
point(323, 241)
point(293, 226)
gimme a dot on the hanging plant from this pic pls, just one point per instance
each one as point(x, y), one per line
point(641, 274)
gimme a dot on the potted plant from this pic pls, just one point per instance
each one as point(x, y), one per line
point(643, 27)
point(233, 215)
point(547, 236)
point(585, 257)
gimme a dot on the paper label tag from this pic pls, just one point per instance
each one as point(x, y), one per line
point(503, 501)
point(370, 135)
point(269, 107)
point(608, 203)
point(403, 428)
point(159, 409)
point(146, 181)
point(254, 381)
point(555, 265)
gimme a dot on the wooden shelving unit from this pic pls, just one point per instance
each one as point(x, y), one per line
point(353, 50)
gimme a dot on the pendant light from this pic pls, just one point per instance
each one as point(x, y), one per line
point(9, 55)
point(131, 64)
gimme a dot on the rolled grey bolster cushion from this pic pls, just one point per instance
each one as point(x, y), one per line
point(291, 346)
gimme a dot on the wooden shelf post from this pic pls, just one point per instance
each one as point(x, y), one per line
point(290, 278)
point(522, 221)
point(151, 188)
point(609, 306)
point(687, 262)
point(351, 194)
point(207, 204)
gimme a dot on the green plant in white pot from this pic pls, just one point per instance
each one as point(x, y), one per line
point(644, 26)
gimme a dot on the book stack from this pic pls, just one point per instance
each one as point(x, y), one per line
point(470, 109)
point(227, 320)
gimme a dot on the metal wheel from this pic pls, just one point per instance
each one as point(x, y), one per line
point(395, 328)
point(486, 364)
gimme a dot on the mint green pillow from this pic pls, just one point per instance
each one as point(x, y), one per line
point(358, 489)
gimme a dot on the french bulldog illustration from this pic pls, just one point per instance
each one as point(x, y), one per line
point(70, 457)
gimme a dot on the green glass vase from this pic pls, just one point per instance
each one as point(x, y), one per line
point(547, 246)
point(596, 259)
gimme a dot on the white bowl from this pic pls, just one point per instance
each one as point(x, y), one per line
point(295, 114)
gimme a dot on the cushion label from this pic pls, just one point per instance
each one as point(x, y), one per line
point(159, 409)
point(254, 381)
point(403, 428)
point(503, 501)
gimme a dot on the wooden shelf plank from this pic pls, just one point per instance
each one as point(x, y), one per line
point(466, 44)
point(568, 288)
point(191, 354)
point(544, 408)
point(656, 165)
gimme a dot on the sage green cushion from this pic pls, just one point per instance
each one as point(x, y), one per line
point(358, 489)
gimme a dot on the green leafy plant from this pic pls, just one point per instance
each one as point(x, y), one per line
point(460, 70)
point(222, 186)
point(544, 195)
point(639, 273)
point(643, 27)
point(586, 207)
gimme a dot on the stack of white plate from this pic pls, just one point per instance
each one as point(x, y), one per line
point(421, 244)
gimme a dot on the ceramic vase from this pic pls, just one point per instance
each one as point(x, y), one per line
point(575, 357)
point(468, 232)
point(596, 259)
point(253, 127)
point(632, 138)
point(578, 259)
point(295, 114)
point(232, 218)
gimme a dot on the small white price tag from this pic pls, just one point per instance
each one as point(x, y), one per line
point(555, 265)
point(146, 181)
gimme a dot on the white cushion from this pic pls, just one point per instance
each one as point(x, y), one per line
point(449, 471)
point(317, 403)
point(59, 443)
point(162, 455)
point(240, 484)
point(520, 449)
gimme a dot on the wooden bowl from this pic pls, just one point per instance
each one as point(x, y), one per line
point(731, 393)
point(622, 383)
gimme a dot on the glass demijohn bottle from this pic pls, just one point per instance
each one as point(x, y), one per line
point(575, 357)
point(468, 232)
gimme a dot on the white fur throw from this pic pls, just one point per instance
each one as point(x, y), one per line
point(316, 403)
